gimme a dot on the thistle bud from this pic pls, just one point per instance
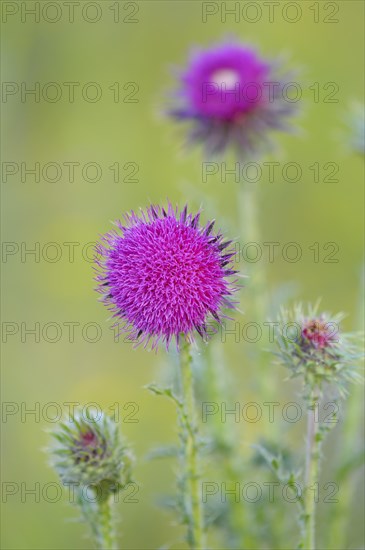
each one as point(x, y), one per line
point(89, 450)
point(313, 346)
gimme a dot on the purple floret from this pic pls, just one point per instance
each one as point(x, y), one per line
point(225, 82)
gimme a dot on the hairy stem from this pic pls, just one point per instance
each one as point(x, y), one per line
point(106, 537)
point(98, 515)
point(312, 471)
point(189, 436)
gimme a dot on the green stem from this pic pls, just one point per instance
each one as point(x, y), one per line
point(190, 439)
point(250, 233)
point(227, 440)
point(106, 537)
point(98, 515)
point(312, 472)
point(256, 296)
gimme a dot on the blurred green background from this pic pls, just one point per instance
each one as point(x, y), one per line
point(106, 132)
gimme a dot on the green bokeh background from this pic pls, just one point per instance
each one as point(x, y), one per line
point(106, 132)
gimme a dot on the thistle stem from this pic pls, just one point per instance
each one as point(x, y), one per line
point(106, 538)
point(227, 440)
point(250, 232)
point(189, 437)
point(256, 300)
point(312, 471)
point(98, 515)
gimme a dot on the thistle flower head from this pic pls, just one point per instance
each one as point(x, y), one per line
point(163, 275)
point(312, 345)
point(89, 450)
point(232, 97)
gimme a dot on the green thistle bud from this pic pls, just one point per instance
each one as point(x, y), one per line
point(312, 345)
point(89, 450)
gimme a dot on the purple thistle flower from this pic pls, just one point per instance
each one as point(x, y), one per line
point(232, 97)
point(163, 275)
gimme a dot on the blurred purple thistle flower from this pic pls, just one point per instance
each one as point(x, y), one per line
point(164, 275)
point(232, 97)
